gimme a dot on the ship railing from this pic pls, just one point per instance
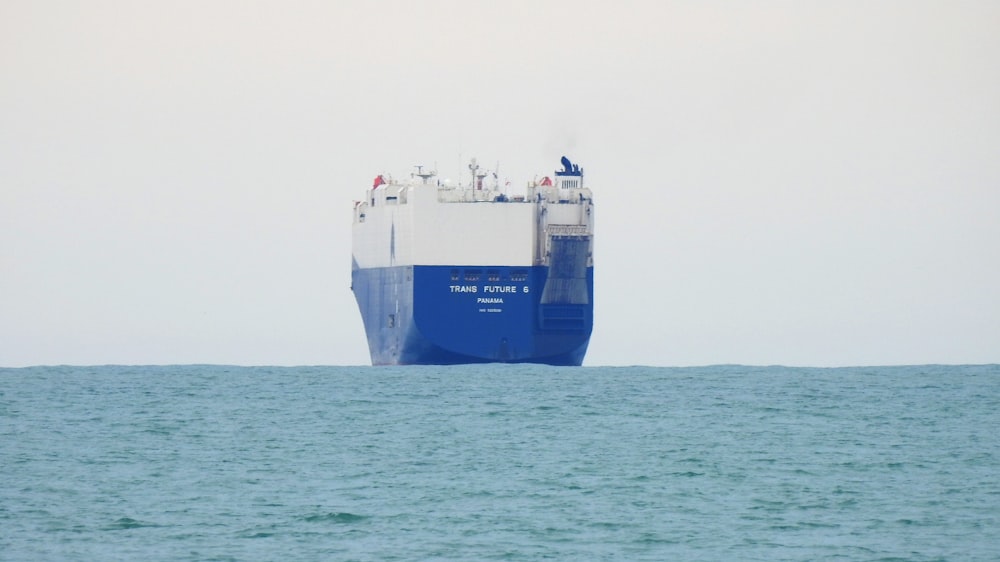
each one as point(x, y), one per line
point(567, 229)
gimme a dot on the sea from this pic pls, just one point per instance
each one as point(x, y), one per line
point(500, 462)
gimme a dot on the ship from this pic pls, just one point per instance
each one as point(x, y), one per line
point(467, 273)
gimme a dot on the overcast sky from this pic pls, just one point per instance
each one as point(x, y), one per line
point(799, 183)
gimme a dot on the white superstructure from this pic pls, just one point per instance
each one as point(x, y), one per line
point(422, 222)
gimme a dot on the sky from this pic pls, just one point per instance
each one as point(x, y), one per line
point(776, 182)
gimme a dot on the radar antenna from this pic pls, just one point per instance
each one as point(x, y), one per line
point(424, 176)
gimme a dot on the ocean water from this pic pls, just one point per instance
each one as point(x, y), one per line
point(500, 462)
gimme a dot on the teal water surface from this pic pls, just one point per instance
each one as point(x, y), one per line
point(500, 462)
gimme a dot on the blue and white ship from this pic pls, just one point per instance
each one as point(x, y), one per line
point(467, 274)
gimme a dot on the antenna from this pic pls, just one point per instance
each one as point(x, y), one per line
point(424, 176)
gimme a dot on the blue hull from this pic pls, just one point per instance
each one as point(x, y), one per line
point(440, 315)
